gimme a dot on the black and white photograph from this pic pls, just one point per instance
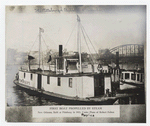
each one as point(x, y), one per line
point(75, 57)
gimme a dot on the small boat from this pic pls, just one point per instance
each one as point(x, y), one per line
point(70, 82)
point(131, 79)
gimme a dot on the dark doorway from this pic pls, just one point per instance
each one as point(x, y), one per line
point(98, 85)
point(39, 81)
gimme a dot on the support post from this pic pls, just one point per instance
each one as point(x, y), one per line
point(39, 44)
point(29, 65)
point(79, 43)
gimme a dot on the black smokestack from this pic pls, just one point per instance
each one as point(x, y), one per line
point(117, 59)
point(60, 50)
point(60, 57)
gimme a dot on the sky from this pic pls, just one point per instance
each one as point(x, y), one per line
point(107, 26)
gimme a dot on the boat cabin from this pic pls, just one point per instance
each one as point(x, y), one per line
point(72, 85)
point(66, 65)
point(132, 77)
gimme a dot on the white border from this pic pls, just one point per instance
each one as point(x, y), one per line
point(61, 2)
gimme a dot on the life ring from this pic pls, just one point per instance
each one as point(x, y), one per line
point(99, 67)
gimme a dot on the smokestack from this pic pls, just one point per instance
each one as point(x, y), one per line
point(60, 57)
point(117, 59)
point(60, 50)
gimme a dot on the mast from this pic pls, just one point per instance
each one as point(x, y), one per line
point(79, 42)
point(39, 44)
point(40, 31)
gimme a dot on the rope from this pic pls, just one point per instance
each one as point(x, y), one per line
point(87, 45)
point(42, 61)
point(41, 48)
point(33, 45)
point(89, 40)
point(45, 43)
point(70, 35)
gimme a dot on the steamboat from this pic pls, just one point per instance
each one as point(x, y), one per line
point(72, 81)
point(131, 79)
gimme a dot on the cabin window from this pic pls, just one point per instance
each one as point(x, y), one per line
point(109, 70)
point(141, 77)
point(133, 77)
point(126, 75)
point(70, 82)
point(48, 80)
point(24, 75)
point(31, 76)
point(71, 65)
point(59, 81)
point(138, 77)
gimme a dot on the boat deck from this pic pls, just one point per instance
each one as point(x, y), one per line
point(53, 73)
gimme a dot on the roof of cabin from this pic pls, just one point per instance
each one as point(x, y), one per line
point(130, 71)
point(52, 73)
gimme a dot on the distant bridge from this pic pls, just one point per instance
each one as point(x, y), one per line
point(129, 50)
point(130, 54)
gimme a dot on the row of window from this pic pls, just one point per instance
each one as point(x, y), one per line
point(59, 81)
point(31, 76)
point(133, 76)
point(48, 80)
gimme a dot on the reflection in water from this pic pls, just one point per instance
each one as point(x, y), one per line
point(23, 98)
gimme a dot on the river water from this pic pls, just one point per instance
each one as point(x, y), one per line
point(15, 96)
